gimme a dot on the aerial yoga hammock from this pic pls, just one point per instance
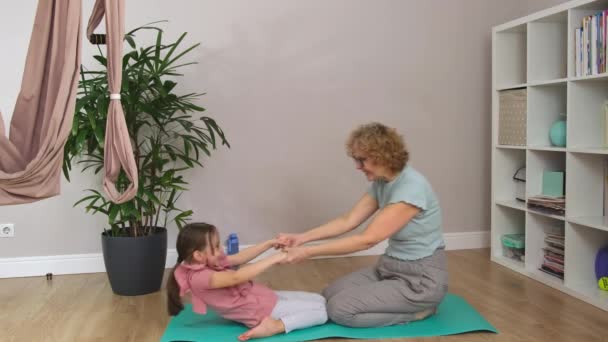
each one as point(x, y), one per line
point(31, 157)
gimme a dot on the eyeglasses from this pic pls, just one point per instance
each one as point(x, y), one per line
point(359, 161)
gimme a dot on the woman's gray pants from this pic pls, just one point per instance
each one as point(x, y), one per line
point(391, 292)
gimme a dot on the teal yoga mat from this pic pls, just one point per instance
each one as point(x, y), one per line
point(455, 316)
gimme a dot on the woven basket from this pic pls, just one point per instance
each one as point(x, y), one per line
point(512, 117)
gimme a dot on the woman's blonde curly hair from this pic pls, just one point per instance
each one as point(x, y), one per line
point(380, 143)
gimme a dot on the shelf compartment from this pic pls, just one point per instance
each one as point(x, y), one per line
point(575, 17)
point(507, 162)
point(536, 229)
point(546, 103)
point(511, 55)
point(586, 184)
point(539, 162)
point(582, 244)
point(586, 126)
point(548, 48)
point(507, 221)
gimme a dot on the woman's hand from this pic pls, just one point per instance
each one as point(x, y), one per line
point(290, 240)
point(296, 254)
point(279, 258)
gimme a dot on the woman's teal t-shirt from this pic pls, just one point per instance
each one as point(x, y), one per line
point(422, 235)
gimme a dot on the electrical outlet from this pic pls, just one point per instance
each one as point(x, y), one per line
point(7, 230)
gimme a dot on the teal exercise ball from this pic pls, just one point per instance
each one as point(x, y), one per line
point(557, 133)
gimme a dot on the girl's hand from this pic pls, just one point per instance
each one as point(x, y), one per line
point(290, 240)
point(276, 244)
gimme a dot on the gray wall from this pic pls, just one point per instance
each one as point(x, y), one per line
point(287, 80)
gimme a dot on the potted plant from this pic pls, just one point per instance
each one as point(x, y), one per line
point(167, 140)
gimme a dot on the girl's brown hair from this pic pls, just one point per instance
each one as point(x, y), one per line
point(381, 144)
point(193, 237)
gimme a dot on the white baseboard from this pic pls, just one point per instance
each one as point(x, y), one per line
point(93, 263)
point(467, 240)
point(56, 264)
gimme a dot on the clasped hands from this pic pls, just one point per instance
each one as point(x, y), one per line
point(289, 244)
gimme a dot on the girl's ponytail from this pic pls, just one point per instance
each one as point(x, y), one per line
point(174, 301)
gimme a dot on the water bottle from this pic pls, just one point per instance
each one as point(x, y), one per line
point(232, 244)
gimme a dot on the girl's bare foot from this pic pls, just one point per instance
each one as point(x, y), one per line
point(267, 327)
point(425, 313)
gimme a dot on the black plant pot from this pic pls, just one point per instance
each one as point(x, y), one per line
point(135, 265)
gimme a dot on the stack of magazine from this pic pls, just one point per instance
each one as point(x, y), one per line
point(553, 261)
point(548, 204)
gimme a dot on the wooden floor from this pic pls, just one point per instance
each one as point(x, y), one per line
point(83, 308)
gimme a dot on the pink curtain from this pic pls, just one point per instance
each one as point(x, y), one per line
point(31, 156)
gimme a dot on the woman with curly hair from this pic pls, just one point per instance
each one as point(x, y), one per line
point(410, 279)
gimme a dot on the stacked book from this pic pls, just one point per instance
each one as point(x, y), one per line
point(553, 261)
point(548, 204)
point(590, 45)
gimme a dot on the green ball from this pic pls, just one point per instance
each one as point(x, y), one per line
point(603, 283)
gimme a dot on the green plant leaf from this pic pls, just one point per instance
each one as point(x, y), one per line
point(131, 41)
point(99, 134)
point(80, 139)
point(166, 139)
point(66, 169)
point(113, 213)
point(100, 209)
point(101, 60)
point(85, 199)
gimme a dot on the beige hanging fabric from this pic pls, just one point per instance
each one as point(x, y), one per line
point(32, 155)
point(118, 152)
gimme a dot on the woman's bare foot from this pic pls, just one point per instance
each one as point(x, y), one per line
point(267, 327)
point(425, 313)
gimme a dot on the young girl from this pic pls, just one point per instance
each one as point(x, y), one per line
point(204, 270)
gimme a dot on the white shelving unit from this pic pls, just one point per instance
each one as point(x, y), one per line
point(536, 53)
